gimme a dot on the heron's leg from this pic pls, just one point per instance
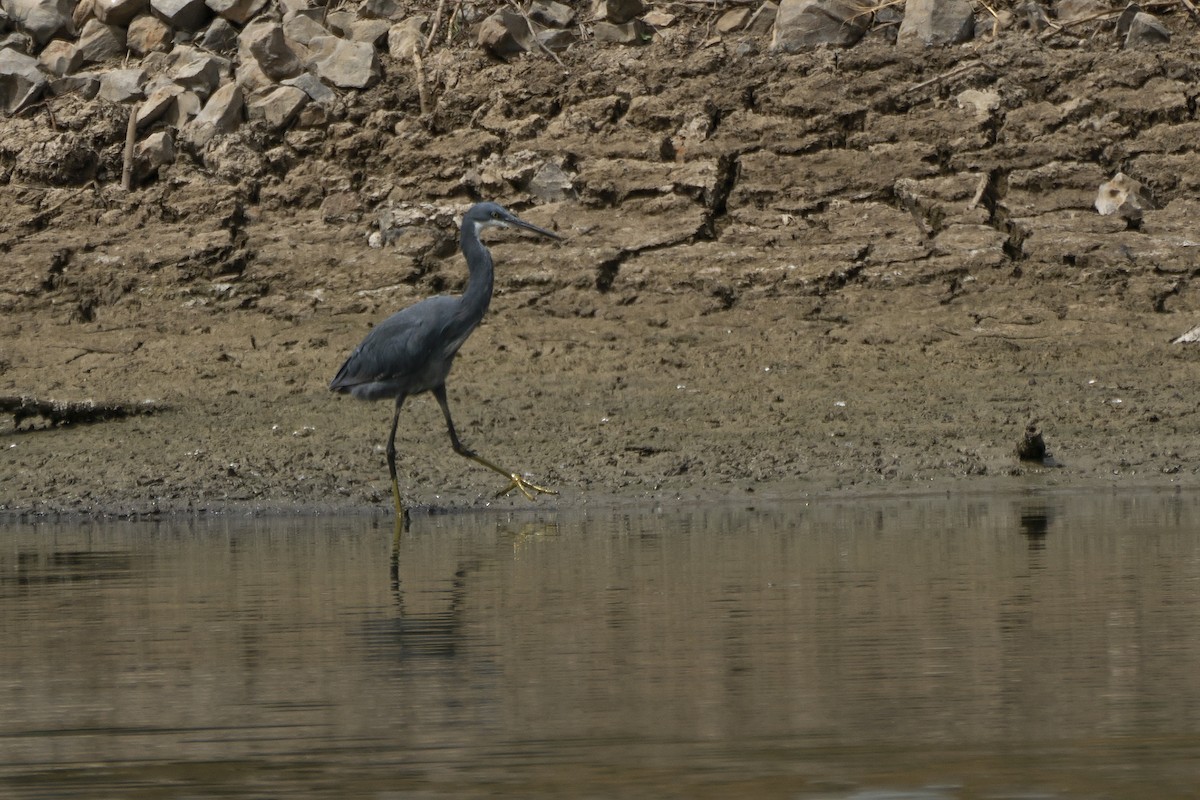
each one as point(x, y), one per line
point(401, 514)
point(525, 487)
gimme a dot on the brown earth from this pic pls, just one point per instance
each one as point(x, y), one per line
point(783, 276)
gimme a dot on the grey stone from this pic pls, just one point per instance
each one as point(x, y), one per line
point(100, 42)
point(149, 34)
point(221, 114)
point(806, 24)
point(372, 31)
point(220, 37)
point(279, 108)
point(119, 12)
point(763, 19)
point(155, 106)
point(121, 85)
point(251, 77)
point(21, 82)
point(60, 57)
point(349, 65)
point(404, 38)
point(83, 84)
point(155, 151)
point(186, 107)
point(551, 14)
point(1145, 30)
point(341, 22)
point(556, 40)
point(268, 46)
point(617, 12)
point(1072, 10)
point(312, 86)
point(505, 34)
point(184, 15)
point(302, 29)
point(938, 22)
point(551, 184)
point(391, 10)
point(239, 11)
point(733, 20)
point(41, 19)
point(635, 32)
point(200, 72)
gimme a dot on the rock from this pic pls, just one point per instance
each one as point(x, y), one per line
point(221, 114)
point(239, 11)
point(200, 72)
point(551, 14)
point(311, 85)
point(505, 34)
point(41, 19)
point(60, 57)
point(157, 104)
point(187, 106)
point(617, 12)
point(220, 37)
point(982, 102)
point(21, 82)
point(733, 20)
point(302, 8)
point(340, 22)
point(302, 30)
point(390, 10)
point(371, 31)
point(83, 84)
point(349, 65)
point(659, 19)
point(551, 184)
point(279, 108)
point(555, 40)
point(938, 22)
point(404, 38)
point(155, 151)
point(251, 78)
point(1073, 10)
point(184, 15)
point(266, 43)
point(806, 24)
point(119, 12)
point(100, 42)
point(1032, 446)
point(121, 85)
point(1121, 195)
point(84, 11)
point(762, 20)
point(1146, 31)
point(635, 32)
point(149, 34)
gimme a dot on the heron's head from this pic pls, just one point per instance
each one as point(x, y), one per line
point(494, 215)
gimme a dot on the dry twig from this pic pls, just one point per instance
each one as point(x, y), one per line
point(437, 23)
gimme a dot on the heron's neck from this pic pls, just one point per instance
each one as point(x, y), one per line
point(478, 295)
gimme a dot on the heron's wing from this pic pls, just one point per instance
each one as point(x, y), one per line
point(402, 346)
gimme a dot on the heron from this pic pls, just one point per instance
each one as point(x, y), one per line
point(411, 351)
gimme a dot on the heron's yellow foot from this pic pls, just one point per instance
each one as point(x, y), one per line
point(525, 487)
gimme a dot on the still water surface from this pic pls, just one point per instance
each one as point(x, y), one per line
point(1003, 647)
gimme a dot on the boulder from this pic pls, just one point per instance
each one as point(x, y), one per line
point(372, 31)
point(391, 10)
point(60, 57)
point(311, 85)
point(220, 37)
point(239, 11)
point(279, 108)
point(184, 15)
point(405, 37)
point(763, 19)
point(186, 107)
point(21, 82)
point(199, 72)
point(156, 150)
point(806, 24)
point(634, 32)
point(121, 85)
point(1145, 30)
point(119, 12)
point(617, 12)
point(221, 114)
point(155, 106)
point(733, 20)
point(100, 42)
point(266, 43)
point(41, 19)
point(149, 34)
point(938, 22)
point(505, 34)
point(551, 14)
point(302, 29)
point(1123, 196)
point(349, 65)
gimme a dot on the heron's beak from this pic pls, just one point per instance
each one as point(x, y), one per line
point(529, 226)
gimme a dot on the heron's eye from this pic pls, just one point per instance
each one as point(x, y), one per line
point(495, 215)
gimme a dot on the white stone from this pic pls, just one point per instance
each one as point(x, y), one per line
point(349, 65)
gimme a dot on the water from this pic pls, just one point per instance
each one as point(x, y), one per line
point(1003, 647)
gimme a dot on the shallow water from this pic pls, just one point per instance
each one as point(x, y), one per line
point(997, 647)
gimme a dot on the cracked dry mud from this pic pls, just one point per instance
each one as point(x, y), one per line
point(782, 277)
